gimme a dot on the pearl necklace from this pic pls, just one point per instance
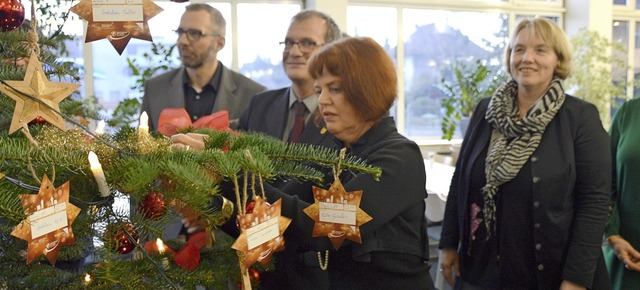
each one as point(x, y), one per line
point(324, 265)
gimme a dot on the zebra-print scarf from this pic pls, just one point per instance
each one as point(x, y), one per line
point(513, 140)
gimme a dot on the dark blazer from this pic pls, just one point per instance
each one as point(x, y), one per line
point(570, 190)
point(166, 91)
point(267, 113)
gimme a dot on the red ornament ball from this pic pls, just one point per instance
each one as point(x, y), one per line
point(38, 120)
point(152, 206)
point(117, 240)
point(250, 206)
point(11, 14)
point(254, 274)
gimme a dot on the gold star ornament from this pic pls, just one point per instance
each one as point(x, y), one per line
point(48, 225)
point(337, 214)
point(261, 232)
point(36, 85)
point(117, 21)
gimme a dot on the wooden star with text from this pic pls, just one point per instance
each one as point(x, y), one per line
point(337, 214)
point(48, 225)
point(261, 232)
point(117, 32)
point(36, 85)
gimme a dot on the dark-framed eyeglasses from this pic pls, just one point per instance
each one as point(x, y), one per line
point(304, 45)
point(193, 34)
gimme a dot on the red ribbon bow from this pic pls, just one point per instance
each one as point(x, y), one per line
point(174, 119)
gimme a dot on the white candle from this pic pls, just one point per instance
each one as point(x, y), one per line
point(143, 127)
point(165, 261)
point(160, 246)
point(100, 128)
point(98, 174)
point(87, 279)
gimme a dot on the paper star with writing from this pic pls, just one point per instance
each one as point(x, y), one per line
point(117, 23)
point(37, 85)
point(48, 226)
point(337, 214)
point(261, 232)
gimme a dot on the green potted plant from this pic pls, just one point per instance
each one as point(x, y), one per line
point(472, 82)
point(592, 76)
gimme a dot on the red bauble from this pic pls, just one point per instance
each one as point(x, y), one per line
point(152, 206)
point(117, 240)
point(11, 14)
point(254, 274)
point(250, 206)
point(38, 120)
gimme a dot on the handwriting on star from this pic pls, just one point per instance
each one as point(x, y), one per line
point(261, 232)
point(48, 226)
point(337, 214)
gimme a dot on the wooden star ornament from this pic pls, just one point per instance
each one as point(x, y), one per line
point(48, 225)
point(261, 232)
point(118, 21)
point(337, 214)
point(36, 85)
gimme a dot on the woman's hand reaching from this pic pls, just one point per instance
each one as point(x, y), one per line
point(189, 141)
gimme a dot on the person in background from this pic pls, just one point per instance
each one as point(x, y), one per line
point(274, 113)
point(528, 201)
point(623, 229)
point(203, 85)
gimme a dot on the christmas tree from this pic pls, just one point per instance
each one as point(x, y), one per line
point(60, 226)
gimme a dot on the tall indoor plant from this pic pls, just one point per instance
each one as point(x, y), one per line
point(472, 82)
point(592, 77)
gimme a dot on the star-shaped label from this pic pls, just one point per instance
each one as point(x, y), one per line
point(117, 20)
point(337, 214)
point(48, 226)
point(261, 232)
point(37, 85)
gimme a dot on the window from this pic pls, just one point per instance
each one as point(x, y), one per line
point(431, 42)
point(424, 37)
point(259, 52)
point(625, 30)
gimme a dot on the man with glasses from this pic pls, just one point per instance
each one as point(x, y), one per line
point(203, 85)
point(276, 113)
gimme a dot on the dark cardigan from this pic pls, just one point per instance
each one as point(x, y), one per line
point(570, 190)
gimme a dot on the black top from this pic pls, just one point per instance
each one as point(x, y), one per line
point(200, 104)
point(484, 263)
point(394, 247)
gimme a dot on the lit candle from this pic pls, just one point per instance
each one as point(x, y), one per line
point(87, 279)
point(160, 246)
point(165, 260)
point(143, 127)
point(100, 128)
point(96, 168)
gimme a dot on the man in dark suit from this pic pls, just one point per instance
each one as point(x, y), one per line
point(274, 113)
point(203, 85)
